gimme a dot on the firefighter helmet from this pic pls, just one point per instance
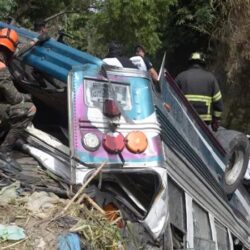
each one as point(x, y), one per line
point(197, 56)
point(9, 39)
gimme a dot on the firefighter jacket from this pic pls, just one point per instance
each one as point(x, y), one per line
point(201, 89)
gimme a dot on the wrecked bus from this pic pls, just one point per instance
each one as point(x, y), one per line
point(174, 183)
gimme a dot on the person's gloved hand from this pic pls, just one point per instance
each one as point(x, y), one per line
point(215, 124)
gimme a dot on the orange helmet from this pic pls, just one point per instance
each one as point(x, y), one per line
point(9, 39)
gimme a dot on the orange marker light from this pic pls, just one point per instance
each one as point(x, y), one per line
point(136, 142)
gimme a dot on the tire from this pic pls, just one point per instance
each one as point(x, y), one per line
point(237, 148)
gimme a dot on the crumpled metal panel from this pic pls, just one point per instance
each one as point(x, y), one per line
point(158, 216)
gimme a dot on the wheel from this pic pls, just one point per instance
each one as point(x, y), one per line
point(237, 148)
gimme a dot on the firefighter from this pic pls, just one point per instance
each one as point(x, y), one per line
point(16, 109)
point(202, 90)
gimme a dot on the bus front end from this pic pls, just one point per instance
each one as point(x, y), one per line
point(112, 121)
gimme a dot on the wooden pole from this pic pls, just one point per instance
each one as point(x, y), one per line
point(83, 187)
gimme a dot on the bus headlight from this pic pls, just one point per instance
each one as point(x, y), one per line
point(90, 142)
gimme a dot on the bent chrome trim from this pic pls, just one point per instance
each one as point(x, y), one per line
point(158, 215)
point(47, 139)
point(50, 162)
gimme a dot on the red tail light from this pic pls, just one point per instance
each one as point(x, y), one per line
point(110, 108)
point(113, 142)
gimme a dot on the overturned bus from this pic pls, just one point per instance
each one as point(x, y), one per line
point(176, 183)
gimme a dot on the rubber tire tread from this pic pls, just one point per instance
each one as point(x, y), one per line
point(231, 141)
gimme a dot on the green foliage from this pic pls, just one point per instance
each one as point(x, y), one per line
point(187, 29)
point(199, 15)
point(127, 22)
point(93, 24)
point(232, 34)
point(220, 29)
point(6, 7)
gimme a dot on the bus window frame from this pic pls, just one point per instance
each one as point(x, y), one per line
point(181, 194)
point(230, 237)
point(189, 237)
point(219, 224)
point(213, 229)
point(189, 221)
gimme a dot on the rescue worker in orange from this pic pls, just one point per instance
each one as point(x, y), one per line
point(16, 109)
point(201, 89)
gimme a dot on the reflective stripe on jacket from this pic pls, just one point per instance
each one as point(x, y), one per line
point(202, 90)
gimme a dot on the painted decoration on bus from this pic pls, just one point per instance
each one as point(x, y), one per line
point(113, 119)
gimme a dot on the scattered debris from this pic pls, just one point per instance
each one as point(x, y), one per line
point(50, 222)
point(42, 204)
point(80, 191)
point(95, 228)
point(11, 232)
point(69, 241)
point(9, 193)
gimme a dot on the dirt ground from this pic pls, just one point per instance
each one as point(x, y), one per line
point(40, 234)
point(42, 228)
